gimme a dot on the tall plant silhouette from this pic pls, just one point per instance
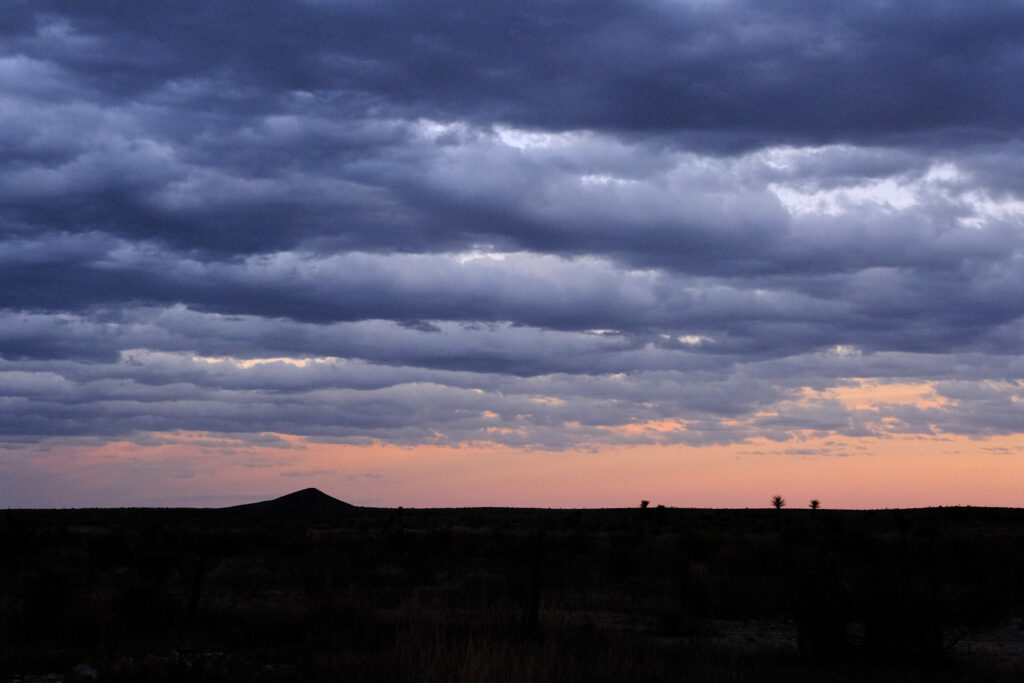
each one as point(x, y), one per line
point(778, 502)
point(815, 504)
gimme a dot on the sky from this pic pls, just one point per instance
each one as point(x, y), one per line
point(532, 253)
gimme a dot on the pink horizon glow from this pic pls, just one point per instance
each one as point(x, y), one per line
point(191, 470)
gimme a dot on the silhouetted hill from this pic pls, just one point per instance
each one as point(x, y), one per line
point(304, 501)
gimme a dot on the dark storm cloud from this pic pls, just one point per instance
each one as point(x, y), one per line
point(542, 224)
point(787, 71)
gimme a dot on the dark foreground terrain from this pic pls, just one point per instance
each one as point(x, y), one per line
point(312, 591)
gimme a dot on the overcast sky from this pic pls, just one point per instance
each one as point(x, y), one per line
point(543, 225)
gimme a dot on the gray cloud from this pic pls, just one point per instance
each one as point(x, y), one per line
point(534, 223)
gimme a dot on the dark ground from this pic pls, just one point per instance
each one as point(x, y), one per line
point(341, 593)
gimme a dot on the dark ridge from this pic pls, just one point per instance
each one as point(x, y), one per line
point(306, 500)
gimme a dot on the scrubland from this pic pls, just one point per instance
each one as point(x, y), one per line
point(489, 594)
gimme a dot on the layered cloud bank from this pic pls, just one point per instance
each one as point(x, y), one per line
point(535, 224)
